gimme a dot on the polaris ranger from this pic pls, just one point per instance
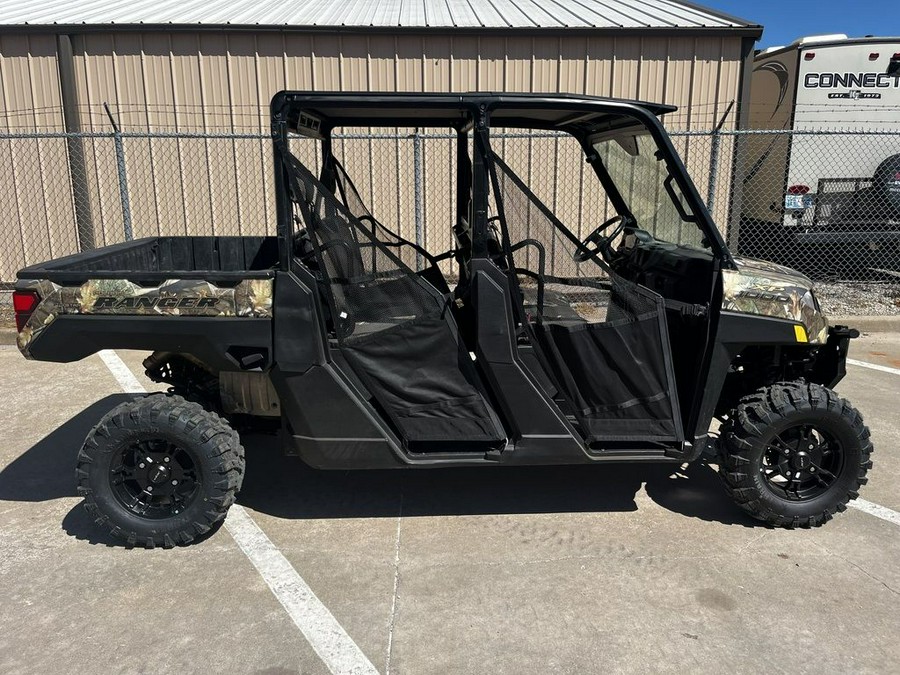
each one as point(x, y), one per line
point(543, 348)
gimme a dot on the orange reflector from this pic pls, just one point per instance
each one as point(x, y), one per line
point(800, 334)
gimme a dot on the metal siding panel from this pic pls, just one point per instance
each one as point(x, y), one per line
point(465, 64)
point(100, 86)
point(627, 56)
point(354, 63)
point(491, 64)
point(436, 64)
point(326, 63)
point(651, 86)
point(298, 65)
point(382, 63)
point(409, 63)
point(572, 64)
point(599, 70)
point(130, 106)
point(222, 175)
point(679, 81)
point(518, 64)
point(242, 66)
point(546, 65)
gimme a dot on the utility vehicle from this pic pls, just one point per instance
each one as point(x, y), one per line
point(541, 348)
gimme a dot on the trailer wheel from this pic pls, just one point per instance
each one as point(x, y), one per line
point(794, 454)
point(160, 471)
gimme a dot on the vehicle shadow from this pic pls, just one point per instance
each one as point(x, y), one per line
point(47, 470)
point(285, 487)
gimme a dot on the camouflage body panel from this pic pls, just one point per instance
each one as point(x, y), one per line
point(767, 289)
point(175, 297)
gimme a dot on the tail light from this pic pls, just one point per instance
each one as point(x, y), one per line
point(24, 303)
point(809, 56)
point(798, 190)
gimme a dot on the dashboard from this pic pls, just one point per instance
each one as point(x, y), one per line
point(674, 271)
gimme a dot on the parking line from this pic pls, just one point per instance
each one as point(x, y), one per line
point(323, 632)
point(876, 510)
point(874, 366)
point(330, 641)
point(122, 373)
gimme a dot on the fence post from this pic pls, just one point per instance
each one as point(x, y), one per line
point(418, 182)
point(714, 160)
point(123, 177)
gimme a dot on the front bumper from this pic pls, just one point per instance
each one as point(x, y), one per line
point(831, 358)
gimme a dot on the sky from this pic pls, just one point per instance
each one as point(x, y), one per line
point(786, 20)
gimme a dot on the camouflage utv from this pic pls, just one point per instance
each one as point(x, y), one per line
point(523, 343)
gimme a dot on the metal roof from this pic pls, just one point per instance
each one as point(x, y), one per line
point(383, 14)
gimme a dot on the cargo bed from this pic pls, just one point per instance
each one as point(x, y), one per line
point(159, 258)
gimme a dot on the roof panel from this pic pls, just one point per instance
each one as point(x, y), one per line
point(523, 14)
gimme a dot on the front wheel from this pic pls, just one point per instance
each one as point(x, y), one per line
point(160, 471)
point(794, 454)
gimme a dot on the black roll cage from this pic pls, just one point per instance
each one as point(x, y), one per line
point(317, 114)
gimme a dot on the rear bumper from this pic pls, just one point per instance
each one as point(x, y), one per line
point(831, 359)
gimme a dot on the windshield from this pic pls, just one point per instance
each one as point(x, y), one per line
point(636, 166)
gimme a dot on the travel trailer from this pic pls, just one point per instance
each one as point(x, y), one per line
point(808, 196)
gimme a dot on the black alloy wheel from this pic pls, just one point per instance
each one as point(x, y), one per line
point(802, 462)
point(154, 478)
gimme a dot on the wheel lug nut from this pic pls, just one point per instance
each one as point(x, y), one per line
point(174, 482)
point(141, 465)
point(787, 452)
point(149, 488)
point(812, 469)
point(167, 459)
point(810, 447)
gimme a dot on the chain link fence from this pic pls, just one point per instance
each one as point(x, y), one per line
point(826, 203)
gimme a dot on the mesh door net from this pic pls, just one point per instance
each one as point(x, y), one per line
point(603, 338)
point(392, 327)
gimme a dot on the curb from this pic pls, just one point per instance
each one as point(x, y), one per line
point(868, 324)
point(7, 336)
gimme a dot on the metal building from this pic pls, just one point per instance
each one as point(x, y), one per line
point(211, 67)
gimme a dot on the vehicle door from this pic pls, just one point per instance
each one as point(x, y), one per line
point(601, 338)
point(393, 329)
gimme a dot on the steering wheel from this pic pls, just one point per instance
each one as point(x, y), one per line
point(601, 242)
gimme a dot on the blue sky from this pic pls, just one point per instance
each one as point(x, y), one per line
point(786, 20)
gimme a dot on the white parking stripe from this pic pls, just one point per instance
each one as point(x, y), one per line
point(122, 373)
point(331, 642)
point(874, 366)
point(326, 636)
point(876, 510)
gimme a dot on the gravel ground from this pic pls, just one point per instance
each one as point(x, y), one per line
point(7, 320)
point(859, 299)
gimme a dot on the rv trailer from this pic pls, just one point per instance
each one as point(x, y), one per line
point(822, 191)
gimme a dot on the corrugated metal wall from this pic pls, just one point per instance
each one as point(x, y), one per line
point(222, 82)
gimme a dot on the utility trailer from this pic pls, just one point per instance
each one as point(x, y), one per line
point(546, 349)
point(816, 200)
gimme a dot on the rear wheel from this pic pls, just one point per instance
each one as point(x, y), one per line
point(794, 454)
point(160, 471)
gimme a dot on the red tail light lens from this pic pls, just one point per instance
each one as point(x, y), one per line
point(798, 190)
point(24, 303)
